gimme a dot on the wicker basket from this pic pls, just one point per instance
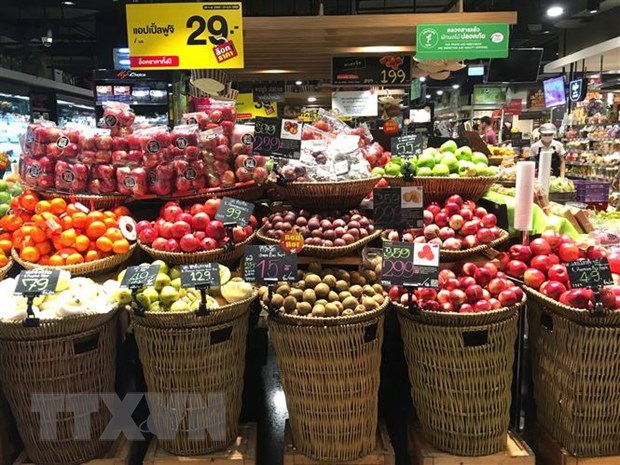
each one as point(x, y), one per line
point(198, 356)
point(249, 192)
point(330, 376)
point(576, 373)
point(94, 201)
point(59, 365)
point(460, 367)
point(326, 195)
point(96, 267)
point(5, 269)
point(325, 252)
point(438, 189)
point(207, 256)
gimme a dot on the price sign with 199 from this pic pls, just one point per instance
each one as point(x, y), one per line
point(276, 137)
point(37, 282)
point(410, 264)
point(234, 211)
point(140, 276)
point(200, 275)
point(269, 263)
point(589, 273)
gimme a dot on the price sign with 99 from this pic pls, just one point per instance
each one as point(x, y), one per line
point(589, 273)
point(137, 277)
point(234, 211)
point(200, 275)
point(37, 282)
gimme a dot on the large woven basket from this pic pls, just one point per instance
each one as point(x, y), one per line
point(325, 252)
point(460, 367)
point(330, 375)
point(438, 189)
point(326, 195)
point(203, 357)
point(58, 367)
point(95, 267)
point(93, 201)
point(576, 373)
point(5, 269)
point(206, 256)
point(249, 192)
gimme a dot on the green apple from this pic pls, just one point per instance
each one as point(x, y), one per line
point(392, 169)
point(4, 209)
point(398, 160)
point(481, 169)
point(378, 171)
point(120, 276)
point(161, 280)
point(454, 175)
point(151, 294)
point(491, 171)
point(122, 296)
point(143, 300)
point(168, 295)
point(426, 160)
point(448, 146)
point(180, 306)
point(155, 307)
point(163, 268)
point(424, 171)
point(479, 157)
point(466, 168)
point(15, 190)
point(441, 170)
point(5, 197)
point(430, 150)
point(451, 162)
point(175, 272)
point(4, 187)
point(463, 153)
point(176, 283)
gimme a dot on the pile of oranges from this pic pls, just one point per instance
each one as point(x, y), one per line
point(53, 232)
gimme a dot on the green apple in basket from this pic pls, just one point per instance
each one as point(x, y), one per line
point(392, 169)
point(463, 153)
point(466, 168)
point(481, 169)
point(479, 157)
point(450, 161)
point(378, 171)
point(441, 170)
point(426, 160)
point(448, 146)
point(424, 171)
point(398, 160)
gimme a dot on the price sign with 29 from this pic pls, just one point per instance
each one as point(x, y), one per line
point(37, 282)
point(200, 275)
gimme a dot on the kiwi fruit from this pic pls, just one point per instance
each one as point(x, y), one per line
point(314, 267)
point(342, 286)
point(331, 309)
point(368, 290)
point(297, 293)
point(322, 290)
point(343, 295)
point(369, 303)
point(350, 302)
point(343, 275)
point(290, 304)
point(357, 278)
point(301, 284)
point(359, 309)
point(304, 308)
point(330, 280)
point(321, 302)
point(378, 269)
point(348, 312)
point(356, 291)
point(333, 296)
point(339, 305)
point(378, 289)
point(309, 296)
point(312, 280)
point(327, 272)
point(370, 276)
point(318, 310)
point(277, 300)
point(283, 290)
point(379, 298)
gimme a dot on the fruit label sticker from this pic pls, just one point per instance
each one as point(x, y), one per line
point(276, 137)
point(182, 143)
point(249, 163)
point(109, 121)
point(406, 146)
point(62, 142)
point(153, 146)
point(68, 176)
point(341, 167)
point(37, 282)
point(137, 277)
point(589, 273)
point(234, 211)
point(407, 264)
point(200, 275)
point(129, 182)
point(268, 263)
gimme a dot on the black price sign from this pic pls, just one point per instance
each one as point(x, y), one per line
point(398, 207)
point(269, 263)
point(277, 137)
point(234, 211)
point(387, 69)
point(589, 273)
point(406, 146)
point(37, 282)
point(200, 275)
point(137, 277)
point(399, 268)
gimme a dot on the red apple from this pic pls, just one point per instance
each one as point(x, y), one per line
point(489, 220)
point(483, 276)
point(495, 304)
point(447, 307)
point(147, 236)
point(520, 252)
point(160, 243)
point(452, 243)
point(457, 297)
point(165, 230)
point(540, 247)
point(200, 220)
point(431, 232)
point(172, 246)
point(434, 208)
point(568, 252)
point(503, 258)
point(595, 251)
point(444, 275)
point(426, 293)
point(466, 308)
point(180, 229)
point(496, 286)
point(471, 241)
point(492, 269)
point(534, 277)
point(455, 198)
point(143, 225)
point(208, 243)
point(558, 273)
point(482, 306)
point(578, 298)
point(428, 217)
point(553, 289)
point(452, 208)
point(469, 269)
point(554, 259)
point(171, 212)
point(446, 233)
point(456, 222)
point(507, 298)
point(552, 238)
point(443, 296)
point(215, 229)
point(451, 284)
point(466, 213)
point(239, 234)
point(466, 281)
point(516, 269)
point(474, 293)
point(480, 212)
point(441, 219)
point(470, 228)
point(541, 262)
point(485, 235)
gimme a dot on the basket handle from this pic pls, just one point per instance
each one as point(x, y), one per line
point(476, 338)
point(370, 332)
point(86, 344)
point(221, 335)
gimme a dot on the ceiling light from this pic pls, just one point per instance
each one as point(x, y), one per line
point(123, 50)
point(299, 83)
point(594, 6)
point(68, 3)
point(311, 99)
point(422, 79)
point(428, 95)
point(440, 92)
point(274, 71)
point(124, 62)
point(555, 11)
point(455, 86)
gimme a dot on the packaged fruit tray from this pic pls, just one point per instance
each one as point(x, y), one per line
point(324, 252)
point(327, 195)
point(102, 265)
point(437, 189)
point(5, 269)
point(206, 256)
point(92, 201)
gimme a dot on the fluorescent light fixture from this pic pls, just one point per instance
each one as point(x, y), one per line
point(123, 50)
point(428, 95)
point(594, 6)
point(311, 99)
point(274, 71)
point(67, 3)
point(298, 83)
point(455, 86)
point(422, 79)
point(554, 11)
point(440, 92)
point(124, 62)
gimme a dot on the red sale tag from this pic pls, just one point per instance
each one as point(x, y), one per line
point(225, 51)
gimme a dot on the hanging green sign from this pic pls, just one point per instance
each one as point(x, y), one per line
point(458, 41)
point(415, 92)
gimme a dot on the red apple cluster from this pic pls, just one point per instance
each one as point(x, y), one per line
point(475, 289)
point(457, 225)
point(216, 114)
point(192, 229)
point(118, 117)
point(541, 266)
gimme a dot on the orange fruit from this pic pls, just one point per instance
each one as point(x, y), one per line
point(114, 234)
point(15, 203)
point(44, 260)
point(56, 242)
point(57, 260)
point(67, 238)
point(95, 216)
point(30, 254)
point(96, 229)
point(44, 247)
point(120, 246)
point(80, 220)
point(43, 206)
point(121, 211)
point(82, 243)
point(72, 209)
point(6, 245)
point(109, 214)
point(104, 244)
point(58, 206)
point(12, 222)
point(110, 222)
point(74, 259)
point(92, 255)
point(66, 222)
point(28, 200)
point(37, 234)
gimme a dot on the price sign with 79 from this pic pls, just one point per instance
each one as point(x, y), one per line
point(37, 282)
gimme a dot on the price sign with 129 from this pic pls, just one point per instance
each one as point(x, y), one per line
point(200, 275)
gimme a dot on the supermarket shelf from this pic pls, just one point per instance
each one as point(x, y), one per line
point(36, 81)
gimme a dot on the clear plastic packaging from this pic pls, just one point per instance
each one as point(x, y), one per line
point(37, 172)
point(132, 181)
point(102, 179)
point(161, 179)
point(242, 139)
point(155, 145)
point(118, 117)
point(189, 175)
point(71, 176)
point(184, 142)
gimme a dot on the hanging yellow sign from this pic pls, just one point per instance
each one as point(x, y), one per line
point(247, 108)
point(185, 35)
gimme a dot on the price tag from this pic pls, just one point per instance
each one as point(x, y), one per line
point(269, 263)
point(589, 273)
point(37, 282)
point(410, 264)
point(406, 146)
point(386, 69)
point(200, 275)
point(398, 207)
point(234, 211)
point(277, 137)
point(137, 277)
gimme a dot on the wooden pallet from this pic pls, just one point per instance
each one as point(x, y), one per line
point(119, 454)
point(422, 453)
point(550, 452)
point(241, 452)
point(382, 455)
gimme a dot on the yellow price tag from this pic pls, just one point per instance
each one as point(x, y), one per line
point(185, 35)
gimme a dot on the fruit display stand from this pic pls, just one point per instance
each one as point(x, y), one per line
point(182, 352)
point(72, 355)
point(460, 367)
point(5, 269)
point(249, 191)
point(576, 374)
point(438, 189)
point(93, 201)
